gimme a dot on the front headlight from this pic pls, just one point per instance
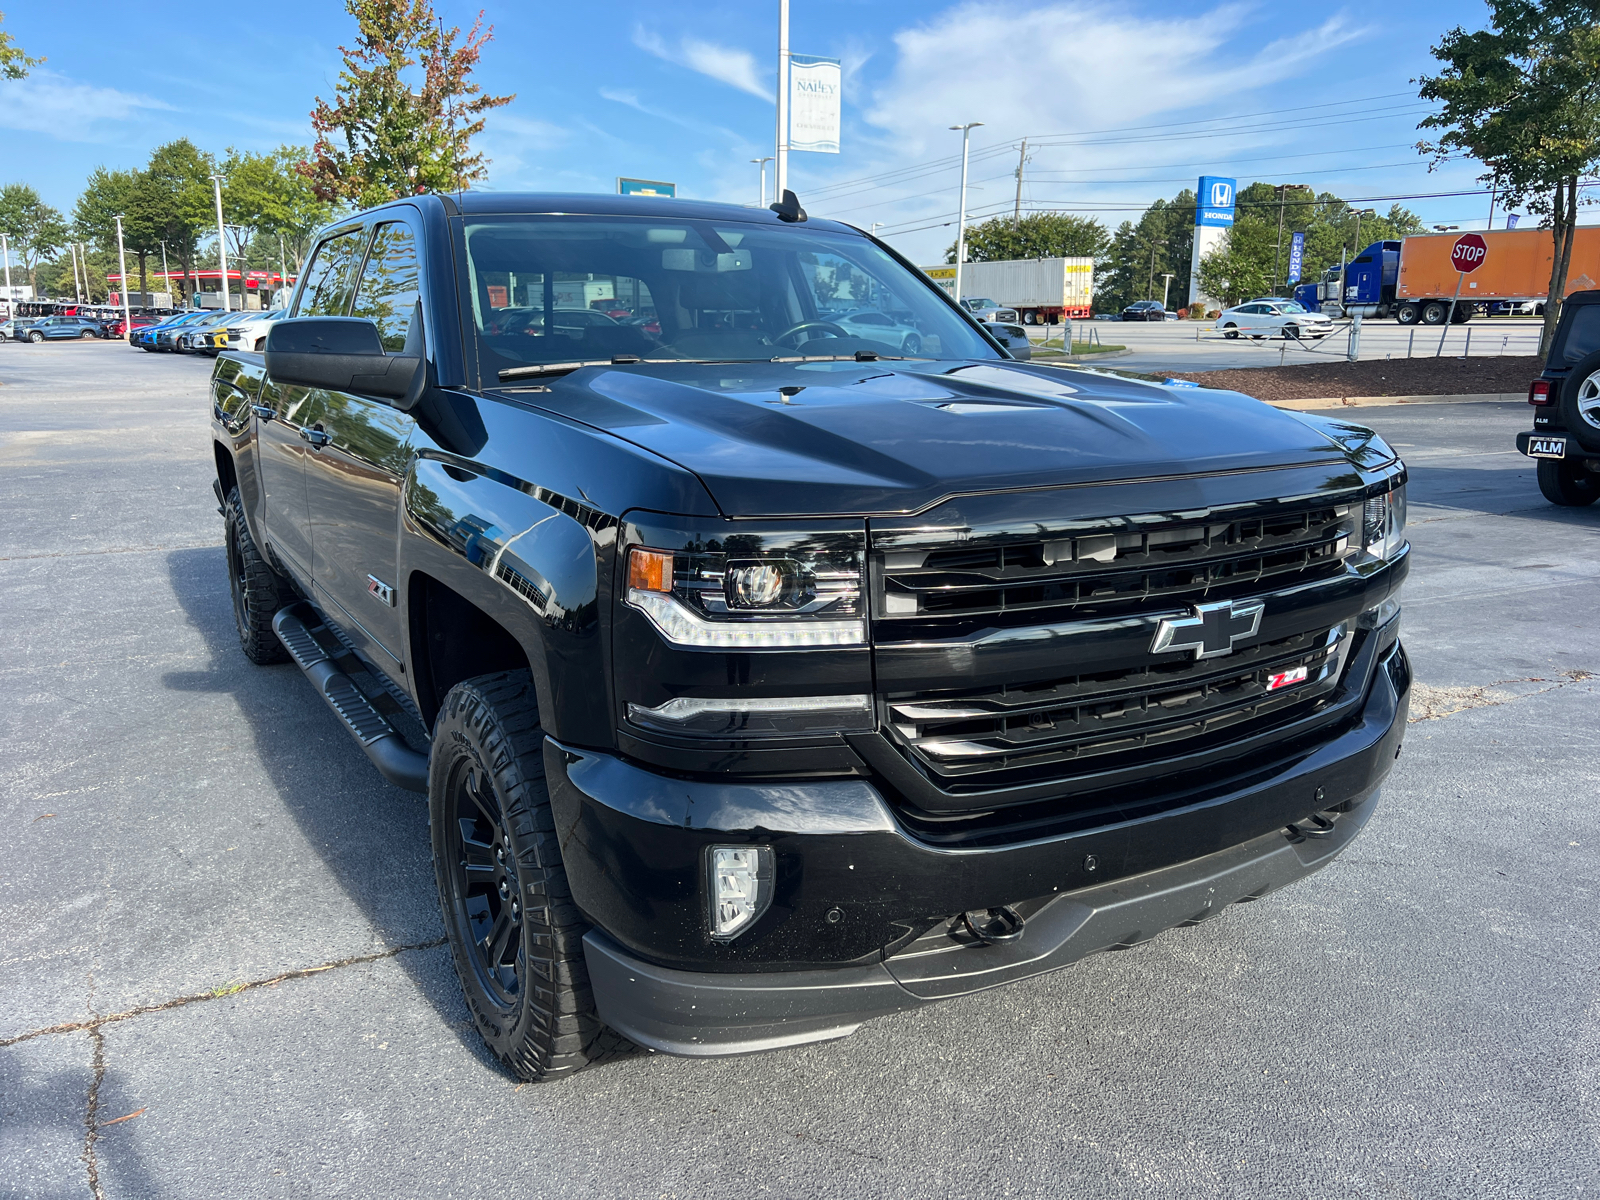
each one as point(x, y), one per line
point(1383, 524)
point(764, 589)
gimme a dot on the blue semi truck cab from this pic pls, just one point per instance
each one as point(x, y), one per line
point(1368, 288)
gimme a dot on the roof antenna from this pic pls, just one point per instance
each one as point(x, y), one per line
point(789, 208)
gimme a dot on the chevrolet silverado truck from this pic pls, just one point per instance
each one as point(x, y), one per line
point(1565, 439)
point(763, 678)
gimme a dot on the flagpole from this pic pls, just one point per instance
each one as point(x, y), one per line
point(781, 170)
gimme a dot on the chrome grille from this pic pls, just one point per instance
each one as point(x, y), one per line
point(1115, 712)
point(1112, 566)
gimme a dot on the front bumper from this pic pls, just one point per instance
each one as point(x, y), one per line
point(859, 924)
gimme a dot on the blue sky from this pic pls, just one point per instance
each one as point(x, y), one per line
point(1122, 102)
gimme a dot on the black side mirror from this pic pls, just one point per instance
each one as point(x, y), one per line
point(340, 354)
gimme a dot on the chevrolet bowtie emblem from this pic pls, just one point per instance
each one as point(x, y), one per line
point(1212, 631)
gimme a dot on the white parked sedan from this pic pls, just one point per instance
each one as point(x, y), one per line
point(250, 332)
point(1273, 318)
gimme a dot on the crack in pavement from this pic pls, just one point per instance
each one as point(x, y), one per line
point(94, 1024)
point(1433, 703)
point(112, 550)
point(91, 1116)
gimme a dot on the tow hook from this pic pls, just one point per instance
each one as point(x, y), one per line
point(992, 926)
point(1315, 826)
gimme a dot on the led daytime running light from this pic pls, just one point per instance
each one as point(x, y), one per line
point(683, 627)
point(686, 708)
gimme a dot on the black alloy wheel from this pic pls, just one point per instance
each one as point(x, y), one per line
point(515, 934)
point(1291, 333)
point(258, 592)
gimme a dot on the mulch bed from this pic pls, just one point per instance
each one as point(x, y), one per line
point(1390, 377)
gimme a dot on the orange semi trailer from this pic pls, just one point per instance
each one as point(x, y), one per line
point(1413, 281)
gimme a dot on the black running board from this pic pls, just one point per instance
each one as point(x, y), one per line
point(396, 761)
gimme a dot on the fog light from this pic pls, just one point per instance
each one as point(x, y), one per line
point(740, 888)
point(1380, 615)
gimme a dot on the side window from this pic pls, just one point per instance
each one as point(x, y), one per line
point(1583, 333)
point(389, 285)
point(332, 276)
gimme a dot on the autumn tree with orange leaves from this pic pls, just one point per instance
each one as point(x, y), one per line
point(395, 130)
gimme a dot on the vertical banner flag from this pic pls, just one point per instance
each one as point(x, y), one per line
point(1297, 254)
point(1512, 219)
point(815, 88)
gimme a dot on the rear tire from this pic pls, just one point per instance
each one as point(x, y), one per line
point(86, 333)
point(515, 935)
point(912, 345)
point(1567, 484)
point(258, 591)
point(1435, 312)
point(36, 337)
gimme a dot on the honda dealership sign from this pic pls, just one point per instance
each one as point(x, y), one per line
point(815, 87)
point(1213, 217)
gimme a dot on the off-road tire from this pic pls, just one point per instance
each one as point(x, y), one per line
point(488, 753)
point(257, 591)
point(1567, 483)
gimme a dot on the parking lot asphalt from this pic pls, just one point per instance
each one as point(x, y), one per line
point(222, 972)
point(1194, 346)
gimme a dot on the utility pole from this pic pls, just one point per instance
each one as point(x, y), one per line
point(761, 199)
point(122, 284)
point(5, 253)
point(1150, 284)
point(961, 218)
point(781, 171)
point(222, 244)
point(77, 292)
point(1022, 159)
point(1493, 190)
point(283, 267)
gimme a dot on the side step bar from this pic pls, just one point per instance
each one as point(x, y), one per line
point(396, 761)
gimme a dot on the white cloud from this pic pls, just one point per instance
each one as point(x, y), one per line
point(49, 103)
point(734, 67)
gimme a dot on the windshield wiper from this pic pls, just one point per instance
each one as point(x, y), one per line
point(860, 356)
point(536, 370)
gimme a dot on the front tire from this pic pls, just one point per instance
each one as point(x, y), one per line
point(258, 591)
point(1291, 333)
point(36, 337)
point(86, 333)
point(1231, 332)
point(1567, 484)
point(912, 345)
point(515, 934)
point(1407, 314)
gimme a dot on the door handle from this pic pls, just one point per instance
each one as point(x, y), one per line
point(263, 412)
point(316, 437)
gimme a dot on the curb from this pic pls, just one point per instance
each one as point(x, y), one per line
point(1377, 401)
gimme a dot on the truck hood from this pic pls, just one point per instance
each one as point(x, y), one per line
point(828, 438)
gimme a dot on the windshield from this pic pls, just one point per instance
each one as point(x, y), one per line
point(572, 289)
point(1292, 306)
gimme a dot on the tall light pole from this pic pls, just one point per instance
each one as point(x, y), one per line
point(1277, 255)
point(780, 179)
point(761, 199)
point(77, 291)
point(166, 275)
point(1358, 213)
point(5, 253)
point(1166, 282)
point(961, 218)
point(283, 267)
point(876, 225)
point(122, 284)
point(222, 243)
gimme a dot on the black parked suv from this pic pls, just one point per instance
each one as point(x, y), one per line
point(1565, 440)
point(763, 678)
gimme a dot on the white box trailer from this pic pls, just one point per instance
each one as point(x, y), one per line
point(1042, 290)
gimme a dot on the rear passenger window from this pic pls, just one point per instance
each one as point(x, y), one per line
point(389, 285)
point(1583, 333)
point(331, 279)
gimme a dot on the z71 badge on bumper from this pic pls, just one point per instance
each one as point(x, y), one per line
point(1547, 447)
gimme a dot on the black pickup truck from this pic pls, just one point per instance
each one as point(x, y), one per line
point(765, 674)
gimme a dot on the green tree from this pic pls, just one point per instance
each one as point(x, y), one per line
point(381, 139)
point(1523, 98)
point(130, 195)
point(1161, 242)
point(272, 198)
point(14, 63)
point(1037, 235)
point(33, 228)
point(175, 201)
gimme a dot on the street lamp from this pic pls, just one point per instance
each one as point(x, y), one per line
point(1358, 213)
point(122, 284)
point(761, 200)
point(1446, 228)
point(876, 225)
point(1277, 256)
point(222, 242)
point(1166, 282)
point(5, 253)
point(961, 219)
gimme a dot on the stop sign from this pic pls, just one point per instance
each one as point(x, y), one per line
point(1469, 253)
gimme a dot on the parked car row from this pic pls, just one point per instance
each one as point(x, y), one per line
point(205, 332)
point(50, 329)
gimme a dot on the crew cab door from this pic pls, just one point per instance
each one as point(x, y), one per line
point(355, 472)
point(285, 414)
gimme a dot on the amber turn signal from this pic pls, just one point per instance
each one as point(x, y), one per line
point(650, 570)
